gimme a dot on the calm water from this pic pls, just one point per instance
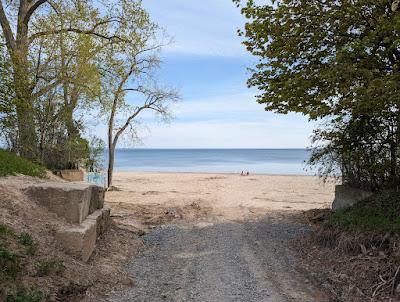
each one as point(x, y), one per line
point(266, 161)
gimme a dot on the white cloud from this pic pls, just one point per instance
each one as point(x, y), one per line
point(217, 134)
point(235, 121)
point(229, 119)
point(205, 27)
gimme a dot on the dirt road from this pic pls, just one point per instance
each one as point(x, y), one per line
point(247, 261)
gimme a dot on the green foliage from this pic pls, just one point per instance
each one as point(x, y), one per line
point(26, 240)
point(46, 268)
point(13, 265)
point(377, 214)
point(24, 295)
point(95, 159)
point(10, 264)
point(6, 231)
point(324, 58)
point(65, 153)
point(335, 61)
point(11, 164)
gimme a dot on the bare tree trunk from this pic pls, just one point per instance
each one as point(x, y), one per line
point(111, 147)
point(111, 156)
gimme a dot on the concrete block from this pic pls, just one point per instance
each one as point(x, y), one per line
point(102, 219)
point(106, 221)
point(68, 200)
point(72, 175)
point(79, 241)
point(96, 199)
point(346, 197)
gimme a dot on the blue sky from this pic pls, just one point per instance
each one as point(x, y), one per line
point(207, 64)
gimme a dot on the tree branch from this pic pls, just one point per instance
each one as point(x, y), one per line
point(79, 31)
point(46, 89)
point(128, 122)
point(5, 24)
point(33, 7)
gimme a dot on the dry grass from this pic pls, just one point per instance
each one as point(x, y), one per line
point(357, 266)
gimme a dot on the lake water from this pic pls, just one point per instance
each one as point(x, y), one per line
point(262, 161)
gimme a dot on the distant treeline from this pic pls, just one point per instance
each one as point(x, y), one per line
point(337, 62)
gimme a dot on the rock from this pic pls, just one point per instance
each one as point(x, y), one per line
point(395, 5)
point(69, 200)
point(79, 241)
point(131, 226)
point(346, 197)
point(113, 189)
point(172, 212)
point(319, 217)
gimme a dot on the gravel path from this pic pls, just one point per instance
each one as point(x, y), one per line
point(221, 262)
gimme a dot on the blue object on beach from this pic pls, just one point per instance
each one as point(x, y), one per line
point(97, 178)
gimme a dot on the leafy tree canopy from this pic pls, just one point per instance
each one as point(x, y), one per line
point(325, 58)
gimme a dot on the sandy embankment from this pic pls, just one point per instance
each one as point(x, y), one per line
point(224, 196)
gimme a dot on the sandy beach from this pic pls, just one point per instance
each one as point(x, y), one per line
point(217, 237)
point(228, 196)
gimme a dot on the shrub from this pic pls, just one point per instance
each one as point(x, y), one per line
point(377, 214)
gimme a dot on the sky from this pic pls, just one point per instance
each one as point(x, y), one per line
point(207, 64)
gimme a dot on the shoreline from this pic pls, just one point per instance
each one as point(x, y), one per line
point(225, 195)
point(211, 173)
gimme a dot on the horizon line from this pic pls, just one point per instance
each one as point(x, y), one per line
point(202, 148)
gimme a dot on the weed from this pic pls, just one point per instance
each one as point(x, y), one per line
point(6, 231)
point(46, 268)
point(9, 263)
point(24, 295)
point(26, 240)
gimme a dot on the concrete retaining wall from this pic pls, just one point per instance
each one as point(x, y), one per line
point(80, 204)
point(72, 175)
point(346, 197)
